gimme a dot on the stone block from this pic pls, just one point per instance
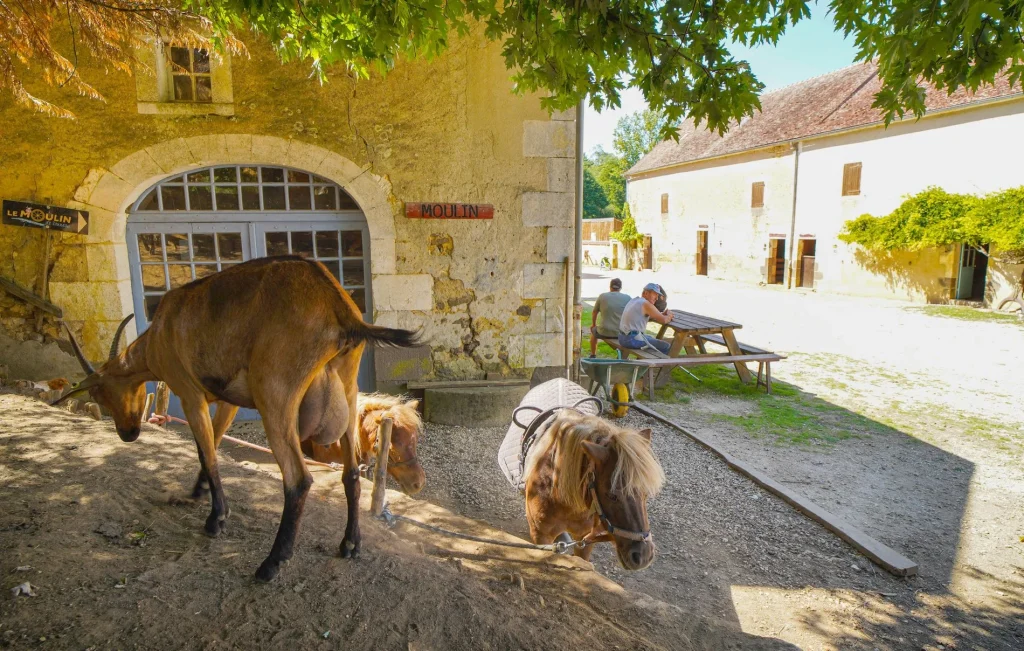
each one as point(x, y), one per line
point(72, 265)
point(97, 335)
point(338, 169)
point(381, 220)
point(403, 292)
point(561, 242)
point(172, 155)
point(304, 156)
point(554, 311)
point(92, 300)
point(269, 150)
point(546, 349)
point(548, 209)
point(104, 225)
point(111, 193)
point(85, 188)
point(549, 139)
point(208, 150)
point(561, 175)
point(543, 280)
point(238, 147)
point(382, 256)
point(138, 169)
point(402, 364)
point(107, 262)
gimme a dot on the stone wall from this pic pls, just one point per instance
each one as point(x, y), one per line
point(488, 294)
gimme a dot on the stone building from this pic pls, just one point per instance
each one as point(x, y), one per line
point(765, 203)
point(183, 174)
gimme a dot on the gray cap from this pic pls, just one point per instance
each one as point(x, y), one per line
point(616, 283)
point(654, 287)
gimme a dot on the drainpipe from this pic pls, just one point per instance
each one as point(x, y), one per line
point(791, 266)
point(577, 308)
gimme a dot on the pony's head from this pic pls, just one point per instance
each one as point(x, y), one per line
point(610, 471)
point(403, 464)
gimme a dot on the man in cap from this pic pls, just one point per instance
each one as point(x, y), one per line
point(636, 314)
point(609, 306)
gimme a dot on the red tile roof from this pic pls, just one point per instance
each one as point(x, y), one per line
point(836, 101)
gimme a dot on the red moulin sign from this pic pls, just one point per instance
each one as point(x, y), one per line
point(449, 211)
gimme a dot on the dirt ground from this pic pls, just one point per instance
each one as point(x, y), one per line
point(118, 561)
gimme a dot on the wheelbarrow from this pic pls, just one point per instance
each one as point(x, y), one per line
point(616, 377)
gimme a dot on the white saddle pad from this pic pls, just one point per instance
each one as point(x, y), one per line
point(553, 393)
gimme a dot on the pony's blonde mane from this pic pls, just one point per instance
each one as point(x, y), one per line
point(637, 472)
point(398, 407)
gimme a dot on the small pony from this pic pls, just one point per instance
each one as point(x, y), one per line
point(403, 465)
point(592, 479)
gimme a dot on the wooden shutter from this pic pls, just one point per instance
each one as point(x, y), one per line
point(757, 195)
point(664, 204)
point(851, 179)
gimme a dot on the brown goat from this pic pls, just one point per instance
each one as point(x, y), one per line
point(255, 335)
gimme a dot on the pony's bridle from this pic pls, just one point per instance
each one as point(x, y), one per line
point(371, 463)
point(610, 529)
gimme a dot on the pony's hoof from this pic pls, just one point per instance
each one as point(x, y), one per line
point(215, 525)
point(349, 549)
point(268, 571)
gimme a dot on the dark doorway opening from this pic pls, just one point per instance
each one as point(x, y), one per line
point(970, 284)
point(776, 261)
point(805, 267)
point(702, 253)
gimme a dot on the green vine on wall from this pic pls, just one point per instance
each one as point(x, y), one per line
point(630, 237)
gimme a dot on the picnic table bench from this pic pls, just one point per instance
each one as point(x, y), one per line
point(690, 333)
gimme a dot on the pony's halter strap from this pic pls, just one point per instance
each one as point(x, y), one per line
point(628, 534)
point(532, 430)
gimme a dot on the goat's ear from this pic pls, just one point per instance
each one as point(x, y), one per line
point(413, 404)
point(646, 433)
point(596, 451)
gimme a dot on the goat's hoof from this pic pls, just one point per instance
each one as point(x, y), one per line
point(268, 570)
point(215, 525)
point(349, 549)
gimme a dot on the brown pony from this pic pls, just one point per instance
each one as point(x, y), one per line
point(590, 478)
point(403, 465)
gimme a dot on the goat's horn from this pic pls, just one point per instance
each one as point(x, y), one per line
point(117, 336)
point(86, 366)
point(86, 384)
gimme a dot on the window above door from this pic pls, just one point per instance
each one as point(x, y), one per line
point(183, 81)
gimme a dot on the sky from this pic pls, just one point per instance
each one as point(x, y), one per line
point(810, 49)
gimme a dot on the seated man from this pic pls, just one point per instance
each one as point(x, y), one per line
point(609, 306)
point(633, 325)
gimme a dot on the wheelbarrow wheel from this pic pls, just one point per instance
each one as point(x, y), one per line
point(620, 393)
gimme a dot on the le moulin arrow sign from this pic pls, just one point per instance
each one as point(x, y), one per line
point(449, 211)
point(23, 213)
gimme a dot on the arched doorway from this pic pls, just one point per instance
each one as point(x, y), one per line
point(194, 224)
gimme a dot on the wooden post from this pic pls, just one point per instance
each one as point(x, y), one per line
point(380, 471)
point(44, 289)
point(149, 403)
point(163, 399)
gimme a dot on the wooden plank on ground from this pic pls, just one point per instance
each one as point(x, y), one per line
point(885, 557)
point(461, 384)
point(30, 297)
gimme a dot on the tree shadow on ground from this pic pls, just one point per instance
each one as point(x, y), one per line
point(118, 561)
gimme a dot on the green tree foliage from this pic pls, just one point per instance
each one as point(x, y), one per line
point(608, 170)
point(675, 52)
point(595, 203)
point(629, 235)
point(935, 217)
point(638, 133)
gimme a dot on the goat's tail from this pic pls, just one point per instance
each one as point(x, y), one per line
point(382, 336)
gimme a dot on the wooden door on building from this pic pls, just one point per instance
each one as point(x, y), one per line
point(806, 268)
point(195, 224)
point(776, 263)
point(971, 276)
point(702, 253)
point(648, 253)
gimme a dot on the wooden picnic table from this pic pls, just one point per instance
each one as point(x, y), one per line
point(687, 330)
